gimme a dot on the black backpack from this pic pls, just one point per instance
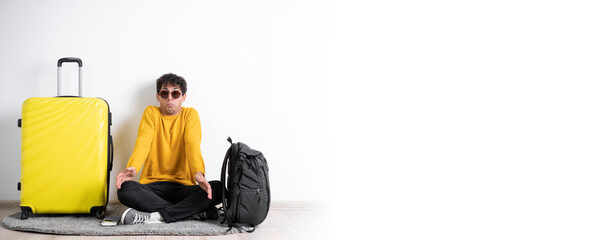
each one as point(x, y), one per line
point(247, 201)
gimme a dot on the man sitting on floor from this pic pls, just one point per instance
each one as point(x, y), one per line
point(168, 146)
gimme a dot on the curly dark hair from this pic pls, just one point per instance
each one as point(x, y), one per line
point(171, 79)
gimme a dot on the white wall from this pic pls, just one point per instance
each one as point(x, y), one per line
point(474, 119)
point(254, 72)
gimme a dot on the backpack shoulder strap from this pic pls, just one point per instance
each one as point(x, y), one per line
point(223, 180)
point(245, 227)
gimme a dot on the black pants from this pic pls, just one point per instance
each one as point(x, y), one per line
point(173, 201)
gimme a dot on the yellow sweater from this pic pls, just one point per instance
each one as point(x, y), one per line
point(168, 147)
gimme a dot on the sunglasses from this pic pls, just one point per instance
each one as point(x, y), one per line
point(165, 94)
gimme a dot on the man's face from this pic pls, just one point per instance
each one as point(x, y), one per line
point(170, 105)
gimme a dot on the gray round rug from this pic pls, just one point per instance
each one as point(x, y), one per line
point(68, 224)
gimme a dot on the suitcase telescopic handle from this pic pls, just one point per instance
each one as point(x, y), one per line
point(70, 59)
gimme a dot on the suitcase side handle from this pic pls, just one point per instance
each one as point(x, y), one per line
point(70, 59)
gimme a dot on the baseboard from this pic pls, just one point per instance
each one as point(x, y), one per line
point(10, 203)
point(273, 205)
point(298, 205)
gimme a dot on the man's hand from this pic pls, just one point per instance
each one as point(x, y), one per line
point(204, 184)
point(125, 175)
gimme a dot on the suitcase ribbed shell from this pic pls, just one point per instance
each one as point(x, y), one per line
point(64, 147)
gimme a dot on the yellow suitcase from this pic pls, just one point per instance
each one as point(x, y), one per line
point(66, 154)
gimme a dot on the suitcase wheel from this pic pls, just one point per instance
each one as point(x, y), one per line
point(25, 211)
point(99, 212)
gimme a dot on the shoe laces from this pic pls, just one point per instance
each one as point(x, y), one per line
point(201, 216)
point(140, 218)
